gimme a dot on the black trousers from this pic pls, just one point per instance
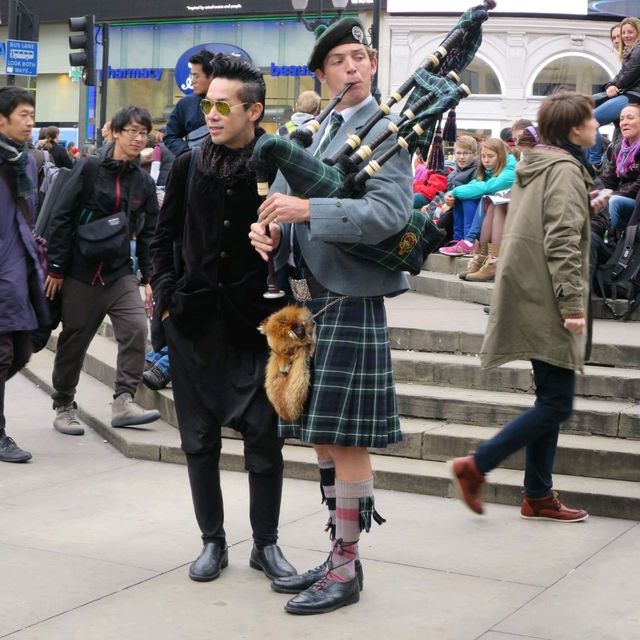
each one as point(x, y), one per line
point(15, 351)
point(216, 384)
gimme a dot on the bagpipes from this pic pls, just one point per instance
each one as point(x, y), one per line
point(431, 90)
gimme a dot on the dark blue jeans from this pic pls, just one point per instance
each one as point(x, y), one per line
point(537, 429)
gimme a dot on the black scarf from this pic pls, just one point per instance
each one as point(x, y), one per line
point(227, 165)
point(16, 157)
point(579, 154)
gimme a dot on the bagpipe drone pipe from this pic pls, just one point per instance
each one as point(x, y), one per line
point(431, 90)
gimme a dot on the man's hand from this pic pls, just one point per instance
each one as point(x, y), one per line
point(280, 208)
point(52, 286)
point(575, 325)
point(262, 243)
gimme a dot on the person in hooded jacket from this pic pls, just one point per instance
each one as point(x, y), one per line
point(540, 304)
point(95, 279)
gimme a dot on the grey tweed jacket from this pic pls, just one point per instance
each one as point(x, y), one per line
point(382, 211)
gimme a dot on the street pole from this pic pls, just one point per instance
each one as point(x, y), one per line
point(375, 35)
point(12, 31)
point(104, 80)
point(82, 120)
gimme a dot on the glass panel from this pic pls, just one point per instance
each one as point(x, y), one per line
point(480, 78)
point(572, 73)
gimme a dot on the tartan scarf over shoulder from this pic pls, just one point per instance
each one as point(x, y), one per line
point(16, 157)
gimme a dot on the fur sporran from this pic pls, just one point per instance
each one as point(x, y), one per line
point(291, 337)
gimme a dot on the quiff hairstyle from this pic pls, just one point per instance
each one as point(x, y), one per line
point(559, 113)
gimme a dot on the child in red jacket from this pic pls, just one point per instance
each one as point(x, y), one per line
point(425, 190)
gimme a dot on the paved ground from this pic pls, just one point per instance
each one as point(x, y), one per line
point(95, 546)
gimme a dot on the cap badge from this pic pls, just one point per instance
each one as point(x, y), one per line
point(357, 33)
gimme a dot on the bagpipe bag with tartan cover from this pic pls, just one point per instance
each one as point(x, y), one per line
point(432, 93)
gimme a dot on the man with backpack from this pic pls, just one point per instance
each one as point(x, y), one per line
point(22, 305)
point(101, 202)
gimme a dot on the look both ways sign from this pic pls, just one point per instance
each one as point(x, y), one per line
point(22, 58)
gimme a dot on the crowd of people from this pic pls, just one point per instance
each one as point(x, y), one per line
point(523, 206)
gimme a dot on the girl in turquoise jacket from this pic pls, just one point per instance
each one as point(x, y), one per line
point(496, 172)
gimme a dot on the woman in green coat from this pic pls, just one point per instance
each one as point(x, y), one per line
point(540, 302)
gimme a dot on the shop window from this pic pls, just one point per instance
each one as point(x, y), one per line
point(570, 73)
point(481, 78)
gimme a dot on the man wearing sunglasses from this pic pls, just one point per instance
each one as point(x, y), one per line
point(186, 127)
point(210, 314)
point(101, 203)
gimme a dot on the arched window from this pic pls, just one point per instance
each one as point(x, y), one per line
point(481, 78)
point(572, 73)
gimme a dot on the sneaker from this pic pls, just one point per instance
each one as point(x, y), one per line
point(459, 248)
point(126, 413)
point(468, 481)
point(155, 378)
point(11, 452)
point(550, 508)
point(66, 420)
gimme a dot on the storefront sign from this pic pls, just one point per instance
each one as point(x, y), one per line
point(183, 77)
point(290, 70)
point(145, 73)
point(60, 10)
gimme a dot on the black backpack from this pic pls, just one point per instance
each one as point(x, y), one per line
point(619, 277)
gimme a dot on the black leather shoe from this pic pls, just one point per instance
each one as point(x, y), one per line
point(11, 452)
point(296, 584)
point(324, 596)
point(212, 560)
point(271, 560)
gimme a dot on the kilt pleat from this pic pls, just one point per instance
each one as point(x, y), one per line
point(352, 401)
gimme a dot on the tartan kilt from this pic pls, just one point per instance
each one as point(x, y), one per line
point(352, 400)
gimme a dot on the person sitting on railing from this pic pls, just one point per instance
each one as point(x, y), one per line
point(496, 172)
point(624, 88)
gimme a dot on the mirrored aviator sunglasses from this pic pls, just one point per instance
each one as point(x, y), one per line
point(222, 106)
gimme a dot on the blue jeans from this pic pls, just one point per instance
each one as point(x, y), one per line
point(476, 224)
point(537, 429)
point(160, 359)
point(606, 113)
point(464, 212)
point(620, 210)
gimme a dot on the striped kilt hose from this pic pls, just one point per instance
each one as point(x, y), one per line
point(352, 400)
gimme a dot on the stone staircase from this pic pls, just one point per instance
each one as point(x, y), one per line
point(448, 404)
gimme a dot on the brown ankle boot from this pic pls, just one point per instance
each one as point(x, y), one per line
point(487, 272)
point(480, 255)
point(550, 508)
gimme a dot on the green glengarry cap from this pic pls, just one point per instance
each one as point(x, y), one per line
point(345, 31)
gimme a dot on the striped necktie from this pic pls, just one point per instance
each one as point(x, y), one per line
point(335, 124)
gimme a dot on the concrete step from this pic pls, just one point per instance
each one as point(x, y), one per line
point(495, 408)
point(455, 370)
point(448, 285)
point(592, 456)
point(428, 282)
point(159, 441)
point(420, 322)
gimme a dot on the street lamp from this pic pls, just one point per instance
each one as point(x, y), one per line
point(299, 6)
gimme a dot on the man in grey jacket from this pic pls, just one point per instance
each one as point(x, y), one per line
point(351, 403)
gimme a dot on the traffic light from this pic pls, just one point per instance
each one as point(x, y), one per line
point(84, 41)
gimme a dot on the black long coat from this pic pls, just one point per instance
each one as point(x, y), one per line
point(217, 302)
